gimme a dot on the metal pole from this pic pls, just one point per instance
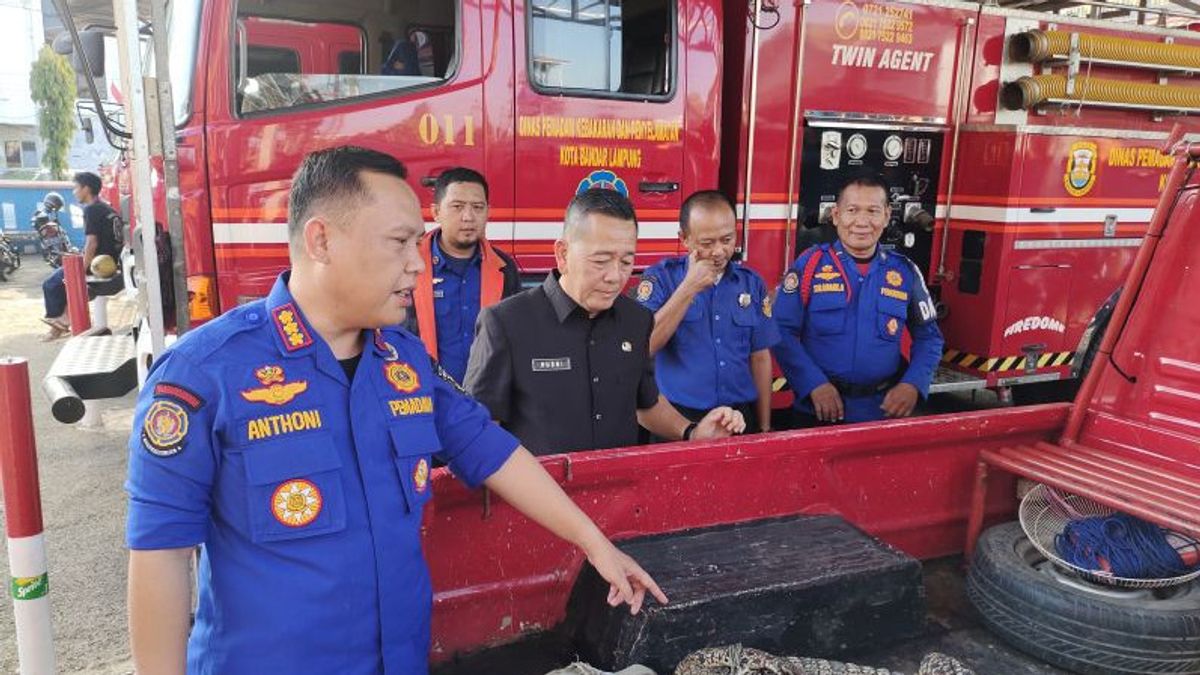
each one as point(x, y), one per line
point(29, 584)
point(756, 10)
point(75, 279)
point(166, 116)
point(794, 140)
point(125, 13)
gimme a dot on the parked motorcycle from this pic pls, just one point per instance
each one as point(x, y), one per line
point(51, 235)
point(10, 257)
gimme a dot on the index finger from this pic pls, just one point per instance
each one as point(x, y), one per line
point(648, 582)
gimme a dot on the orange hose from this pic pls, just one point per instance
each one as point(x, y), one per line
point(1028, 92)
point(1036, 46)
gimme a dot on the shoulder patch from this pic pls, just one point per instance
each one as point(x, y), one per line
point(791, 282)
point(644, 290)
point(165, 428)
point(766, 306)
point(180, 393)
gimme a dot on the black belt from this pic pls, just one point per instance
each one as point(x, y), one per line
point(853, 390)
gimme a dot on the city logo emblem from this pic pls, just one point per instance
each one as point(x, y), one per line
point(401, 376)
point(274, 390)
point(296, 503)
point(421, 475)
point(164, 429)
point(644, 290)
point(893, 326)
point(766, 307)
point(1080, 175)
point(603, 179)
point(791, 282)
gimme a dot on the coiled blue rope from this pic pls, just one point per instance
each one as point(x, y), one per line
point(1121, 544)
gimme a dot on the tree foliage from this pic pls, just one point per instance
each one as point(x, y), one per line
point(52, 83)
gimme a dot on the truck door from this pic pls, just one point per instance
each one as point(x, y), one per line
point(599, 102)
point(401, 77)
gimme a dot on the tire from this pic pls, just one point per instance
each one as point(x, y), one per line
point(1077, 625)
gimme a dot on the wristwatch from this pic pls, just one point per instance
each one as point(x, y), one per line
point(688, 431)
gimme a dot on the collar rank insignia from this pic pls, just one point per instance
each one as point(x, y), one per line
point(291, 329)
point(165, 428)
point(421, 475)
point(401, 376)
point(385, 346)
point(744, 300)
point(894, 278)
point(274, 391)
point(827, 273)
point(296, 503)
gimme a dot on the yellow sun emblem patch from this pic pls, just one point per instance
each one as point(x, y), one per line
point(894, 278)
point(401, 376)
point(421, 475)
point(296, 503)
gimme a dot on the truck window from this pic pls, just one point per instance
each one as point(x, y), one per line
point(615, 47)
point(301, 54)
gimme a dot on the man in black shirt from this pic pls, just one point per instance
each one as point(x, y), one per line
point(100, 223)
point(567, 366)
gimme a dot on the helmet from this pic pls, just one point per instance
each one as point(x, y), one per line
point(104, 266)
point(53, 201)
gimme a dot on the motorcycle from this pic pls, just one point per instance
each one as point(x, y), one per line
point(51, 235)
point(10, 257)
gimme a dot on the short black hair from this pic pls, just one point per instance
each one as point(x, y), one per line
point(459, 174)
point(867, 180)
point(603, 201)
point(333, 173)
point(703, 198)
point(88, 180)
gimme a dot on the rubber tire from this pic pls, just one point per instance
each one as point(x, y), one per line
point(1019, 598)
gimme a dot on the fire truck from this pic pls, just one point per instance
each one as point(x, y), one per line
point(1020, 146)
point(1023, 150)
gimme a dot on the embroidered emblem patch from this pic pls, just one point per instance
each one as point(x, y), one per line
point(165, 428)
point(275, 391)
point(894, 278)
point(287, 322)
point(744, 300)
point(401, 376)
point(766, 307)
point(296, 503)
point(644, 290)
point(827, 273)
point(421, 475)
point(791, 282)
point(178, 393)
point(893, 326)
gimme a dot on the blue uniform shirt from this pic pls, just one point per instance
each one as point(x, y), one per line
point(456, 297)
point(706, 363)
point(305, 489)
point(850, 328)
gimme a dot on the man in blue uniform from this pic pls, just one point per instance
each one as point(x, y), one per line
point(463, 272)
point(712, 319)
point(842, 309)
point(292, 438)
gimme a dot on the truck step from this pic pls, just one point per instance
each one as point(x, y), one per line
point(809, 586)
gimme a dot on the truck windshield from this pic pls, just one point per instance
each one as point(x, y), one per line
point(183, 31)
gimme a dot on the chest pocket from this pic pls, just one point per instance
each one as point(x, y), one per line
point(744, 321)
point(413, 444)
point(294, 488)
point(891, 317)
point(827, 313)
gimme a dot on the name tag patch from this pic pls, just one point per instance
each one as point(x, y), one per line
point(413, 405)
point(550, 365)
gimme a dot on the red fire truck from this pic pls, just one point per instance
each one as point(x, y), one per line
point(1022, 150)
point(1022, 203)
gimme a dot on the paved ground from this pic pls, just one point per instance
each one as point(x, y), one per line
point(83, 502)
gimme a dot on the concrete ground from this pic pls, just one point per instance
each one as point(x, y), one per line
point(83, 501)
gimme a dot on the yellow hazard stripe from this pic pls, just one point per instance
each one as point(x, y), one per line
point(1000, 364)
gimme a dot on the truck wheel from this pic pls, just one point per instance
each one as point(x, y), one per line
point(1083, 627)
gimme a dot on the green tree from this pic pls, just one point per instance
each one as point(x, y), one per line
point(52, 82)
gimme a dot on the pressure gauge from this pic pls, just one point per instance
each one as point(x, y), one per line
point(893, 147)
point(856, 147)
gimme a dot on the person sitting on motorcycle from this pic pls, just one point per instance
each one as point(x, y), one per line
point(101, 239)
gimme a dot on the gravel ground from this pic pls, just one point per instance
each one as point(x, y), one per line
point(83, 501)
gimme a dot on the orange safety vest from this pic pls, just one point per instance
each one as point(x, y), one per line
point(491, 277)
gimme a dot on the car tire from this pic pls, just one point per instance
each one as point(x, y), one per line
point(1075, 624)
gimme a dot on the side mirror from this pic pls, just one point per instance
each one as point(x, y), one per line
point(92, 40)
